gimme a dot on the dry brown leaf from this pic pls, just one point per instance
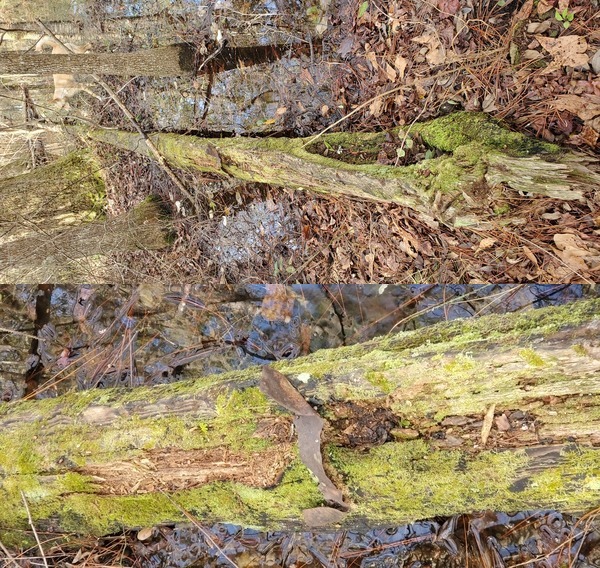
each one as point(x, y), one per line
point(530, 255)
point(502, 423)
point(448, 7)
point(525, 11)
point(400, 64)
point(376, 107)
point(589, 136)
point(572, 251)
point(543, 6)
point(585, 106)
point(436, 54)
point(566, 51)
point(372, 59)
point(486, 243)
point(306, 76)
point(390, 72)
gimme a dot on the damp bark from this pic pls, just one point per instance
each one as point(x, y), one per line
point(98, 461)
point(482, 162)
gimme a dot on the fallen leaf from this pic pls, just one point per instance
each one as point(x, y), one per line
point(530, 255)
point(595, 62)
point(572, 251)
point(144, 534)
point(525, 11)
point(448, 7)
point(489, 103)
point(278, 303)
point(436, 54)
point(539, 27)
point(584, 106)
point(543, 6)
point(486, 243)
point(502, 423)
point(390, 72)
point(566, 51)
point(346, 46)
point(400, 64)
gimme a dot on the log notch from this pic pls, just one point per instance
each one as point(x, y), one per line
point(97, 461)
point(483, 162)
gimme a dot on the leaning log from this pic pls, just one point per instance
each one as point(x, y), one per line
point(499, 412)
point(483, 162)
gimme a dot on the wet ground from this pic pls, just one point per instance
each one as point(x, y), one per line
point(106, 336)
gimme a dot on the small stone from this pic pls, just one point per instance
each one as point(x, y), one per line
point(455, 421)
point(322, 516)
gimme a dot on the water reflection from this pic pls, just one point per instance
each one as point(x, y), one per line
point(117, 336)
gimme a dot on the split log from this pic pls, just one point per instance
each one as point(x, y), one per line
point(406, 416)
point(483, 162)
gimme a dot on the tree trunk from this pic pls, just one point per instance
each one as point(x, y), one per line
point(170, 61)
point(51, 229)
point(407, 414)
point(482, 163)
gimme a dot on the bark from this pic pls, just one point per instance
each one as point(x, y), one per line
point(52, 229)
point(406, 416)
point(483, 162)
point(170, 61)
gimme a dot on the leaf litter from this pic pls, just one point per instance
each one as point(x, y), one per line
point(514, 60)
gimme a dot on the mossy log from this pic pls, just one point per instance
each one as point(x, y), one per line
point(483, 162)
point(52, 228)
point(404, 437)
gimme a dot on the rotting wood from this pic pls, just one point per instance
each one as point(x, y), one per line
point(484, 162)
point(539, 368)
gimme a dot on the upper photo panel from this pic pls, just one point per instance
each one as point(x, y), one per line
point(300, 141)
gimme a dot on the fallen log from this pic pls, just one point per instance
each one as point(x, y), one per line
point(500, 412)
point(483, 162)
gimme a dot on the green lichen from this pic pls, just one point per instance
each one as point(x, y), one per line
point(462, 128)
point(532, 358)
point(400, 481)
point(379, 380)
point(459, 364)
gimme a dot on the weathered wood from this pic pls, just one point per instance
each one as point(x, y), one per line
point(52, 228)
point(169, 61)
point(99, 460)
point(484, 162)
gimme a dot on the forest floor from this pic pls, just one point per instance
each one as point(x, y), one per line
point(534, 65)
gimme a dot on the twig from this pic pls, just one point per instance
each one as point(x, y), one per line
point(151, 146)
point(211, 56)
point(357, 109)
point(8, 555)
point(35, 534)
